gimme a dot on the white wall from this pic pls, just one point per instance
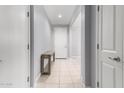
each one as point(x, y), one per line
point(75, 37)
point(89, 45)
point(42, 37)
point(93, 45)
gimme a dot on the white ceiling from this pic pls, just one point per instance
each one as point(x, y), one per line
point(67, 11)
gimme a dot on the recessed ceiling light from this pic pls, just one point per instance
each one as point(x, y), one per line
point(59, 16)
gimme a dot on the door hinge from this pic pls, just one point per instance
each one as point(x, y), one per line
point(28, 14)
point(98, 8)
point(28, 47)
point(97, 46)
point(97, 84)
point(28, 79)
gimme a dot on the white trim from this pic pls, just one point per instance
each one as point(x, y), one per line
point(36, 80)
point(83, 82)
point(29, 47)
point(97, 42)
point(74, 56)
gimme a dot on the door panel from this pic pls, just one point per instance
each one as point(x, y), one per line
point(108, 30)
point(13, 46)
point(110, 36)
point(61, 47)
point(108, 75)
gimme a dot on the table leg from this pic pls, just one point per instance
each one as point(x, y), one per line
point(42, 64)
point(53, 57)
point(49, 66)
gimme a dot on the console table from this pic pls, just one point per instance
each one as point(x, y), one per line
point(47, 55)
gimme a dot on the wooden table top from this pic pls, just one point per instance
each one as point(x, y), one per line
point(48, 53)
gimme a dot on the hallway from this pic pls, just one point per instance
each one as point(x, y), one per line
point(65, 73)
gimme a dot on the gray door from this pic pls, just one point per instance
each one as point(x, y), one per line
point(110, 40)
point(14, 61)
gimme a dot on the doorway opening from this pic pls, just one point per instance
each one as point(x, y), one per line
point(64, 38)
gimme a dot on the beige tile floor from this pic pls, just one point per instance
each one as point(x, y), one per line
point(65, 73)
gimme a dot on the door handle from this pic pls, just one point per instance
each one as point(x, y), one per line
point(117, 59)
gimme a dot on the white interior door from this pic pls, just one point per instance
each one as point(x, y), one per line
point(13, 46)
point(110, 36)
point(60, 42)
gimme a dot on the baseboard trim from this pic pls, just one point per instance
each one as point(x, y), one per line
point(82, 82)
point(37, 78)
point(75, 56)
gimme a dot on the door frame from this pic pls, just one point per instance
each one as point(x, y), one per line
point(32, 83)
point(28, 47)
point(98, 20)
